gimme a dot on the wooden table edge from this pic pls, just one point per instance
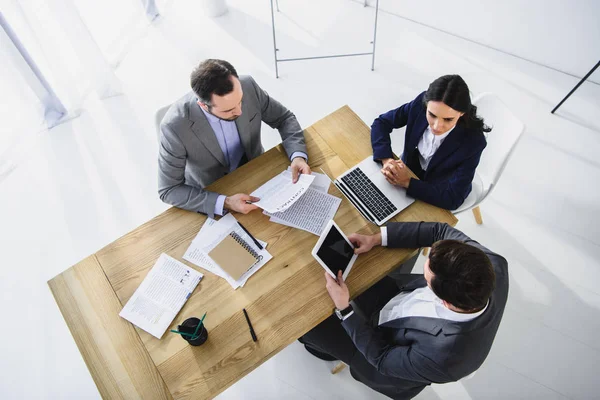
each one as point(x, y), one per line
point(144, 379)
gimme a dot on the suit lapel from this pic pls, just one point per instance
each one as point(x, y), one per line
point(419, 130)
point(430, 325)
point(414, 284)
point(204, 132)
point(242, 126)
point(413, 140)
point(450, 144)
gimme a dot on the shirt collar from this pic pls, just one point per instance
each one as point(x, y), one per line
point(211, 118)
point(446, 313)
point(440, 138)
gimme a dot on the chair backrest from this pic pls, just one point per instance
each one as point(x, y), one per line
point(501, 141)
point(158, 117)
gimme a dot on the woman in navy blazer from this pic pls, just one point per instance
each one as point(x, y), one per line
point(443, 143)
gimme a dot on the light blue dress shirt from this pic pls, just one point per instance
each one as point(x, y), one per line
point(229, 141)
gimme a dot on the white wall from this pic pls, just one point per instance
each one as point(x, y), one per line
point(561, 34)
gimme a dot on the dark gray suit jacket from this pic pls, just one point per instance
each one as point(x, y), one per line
point(404, 355)
point(190, 157)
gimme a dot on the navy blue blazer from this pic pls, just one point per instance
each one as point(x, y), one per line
point(447, 181)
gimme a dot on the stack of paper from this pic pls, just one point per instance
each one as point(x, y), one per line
point(313, 210)
point(210, 235)
point(161, 295)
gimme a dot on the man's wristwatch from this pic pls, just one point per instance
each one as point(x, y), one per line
point(345, 313)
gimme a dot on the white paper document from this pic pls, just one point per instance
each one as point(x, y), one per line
point(311, 212)
point(210, 235)
point(161, 295)
point(197, 256)
point(280, 193)
point(320, 183)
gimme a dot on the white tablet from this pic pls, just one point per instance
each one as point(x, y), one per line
point(334, 251)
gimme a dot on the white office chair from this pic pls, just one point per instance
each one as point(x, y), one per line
point(501, 142)
point(158, 116)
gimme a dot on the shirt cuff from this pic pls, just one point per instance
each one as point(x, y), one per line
point(299, 154)
point(219, 205)
point(348, 315)
point(384, 236)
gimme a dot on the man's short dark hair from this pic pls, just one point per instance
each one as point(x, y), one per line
point(462, 274)
point(212, 77)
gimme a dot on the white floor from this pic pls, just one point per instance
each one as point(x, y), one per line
point(87, 182)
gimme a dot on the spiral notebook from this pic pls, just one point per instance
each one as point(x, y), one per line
point(234, 255)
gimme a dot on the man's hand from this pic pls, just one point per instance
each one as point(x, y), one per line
point(395, 172)
point(240, 203)
point(364, 243)
point(338, 291)
point(299, 166)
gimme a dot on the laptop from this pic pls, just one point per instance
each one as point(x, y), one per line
point(373, 196)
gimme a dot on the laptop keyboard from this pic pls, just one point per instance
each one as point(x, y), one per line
point(369, 194)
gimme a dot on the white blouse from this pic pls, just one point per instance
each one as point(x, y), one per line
point(429, 144)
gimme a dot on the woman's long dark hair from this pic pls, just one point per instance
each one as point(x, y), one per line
point(453, 91)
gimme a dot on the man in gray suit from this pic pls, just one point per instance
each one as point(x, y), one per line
point(215, 129)
point(437, 327)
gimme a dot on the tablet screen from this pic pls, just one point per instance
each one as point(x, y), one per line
point(335, 252)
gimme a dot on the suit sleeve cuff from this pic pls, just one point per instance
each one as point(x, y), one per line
point(348, 316)
point(414, 188)
point(299, 154)
point(219, 210)
point(352, 322)
point(383, 154)
point(384, 237)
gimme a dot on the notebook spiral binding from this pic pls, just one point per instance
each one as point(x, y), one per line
point(246, 246)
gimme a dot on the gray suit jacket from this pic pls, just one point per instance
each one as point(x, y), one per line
point(404, 355)
point(190, 157)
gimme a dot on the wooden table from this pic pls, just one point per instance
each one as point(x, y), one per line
point(285, 299)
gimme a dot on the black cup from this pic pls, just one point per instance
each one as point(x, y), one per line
point(191, 324)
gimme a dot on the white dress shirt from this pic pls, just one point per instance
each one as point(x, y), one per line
point(384, 236)
point(428, 145)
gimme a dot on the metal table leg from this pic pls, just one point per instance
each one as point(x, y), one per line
point(275, 49)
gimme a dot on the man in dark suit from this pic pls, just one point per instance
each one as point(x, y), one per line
point(442, 145)
point(437, 327)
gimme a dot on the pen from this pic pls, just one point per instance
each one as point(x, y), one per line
point(256, 242)
point(250, 326)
